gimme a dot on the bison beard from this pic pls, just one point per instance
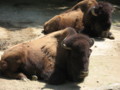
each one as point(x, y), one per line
point(55, 58)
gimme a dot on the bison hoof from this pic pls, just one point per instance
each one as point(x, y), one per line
point(44, 32)
point(111, 37)
point(34, 77)
point(25, 79)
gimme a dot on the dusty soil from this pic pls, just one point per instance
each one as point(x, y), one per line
point(21, 22)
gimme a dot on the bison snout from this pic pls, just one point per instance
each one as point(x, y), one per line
point(83, 74)
point(44, 32)
point(81, 77)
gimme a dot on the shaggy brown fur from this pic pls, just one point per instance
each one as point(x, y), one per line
point(99, 26)
point(84, 5)
point(95, 21)
point(70, 18)
point(55, 58)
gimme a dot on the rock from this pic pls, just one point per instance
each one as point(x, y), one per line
point(34, 78)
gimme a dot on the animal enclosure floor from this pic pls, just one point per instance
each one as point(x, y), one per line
point(103, 70)
point(23, 22)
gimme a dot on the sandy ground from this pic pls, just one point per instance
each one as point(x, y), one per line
point(23, 22)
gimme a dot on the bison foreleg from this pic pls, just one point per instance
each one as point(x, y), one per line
point(107, 34)
point(19, 76)
point(58, 77)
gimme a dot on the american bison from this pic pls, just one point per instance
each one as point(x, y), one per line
point(70, 18)
point(97, 21)
point(94, 21)
point(54, 58)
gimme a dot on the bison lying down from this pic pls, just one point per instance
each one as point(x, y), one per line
point(97, 21)
point(70, 18)
point(94, 20)
point(55, 58)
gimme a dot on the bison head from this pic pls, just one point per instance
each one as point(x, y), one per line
point(78, 46)
point(98, 20)
point(102, 9)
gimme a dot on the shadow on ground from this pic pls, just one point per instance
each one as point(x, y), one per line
point(72, 86)
point(21, 14)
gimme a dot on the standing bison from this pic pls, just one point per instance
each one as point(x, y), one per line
point(54, 58)
point(70, 18)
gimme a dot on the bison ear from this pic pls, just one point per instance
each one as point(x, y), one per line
point(91, 42)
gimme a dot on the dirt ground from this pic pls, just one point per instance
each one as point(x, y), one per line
point(21, 22)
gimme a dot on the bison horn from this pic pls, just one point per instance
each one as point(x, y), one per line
point(93, 12)
point(65, 46)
